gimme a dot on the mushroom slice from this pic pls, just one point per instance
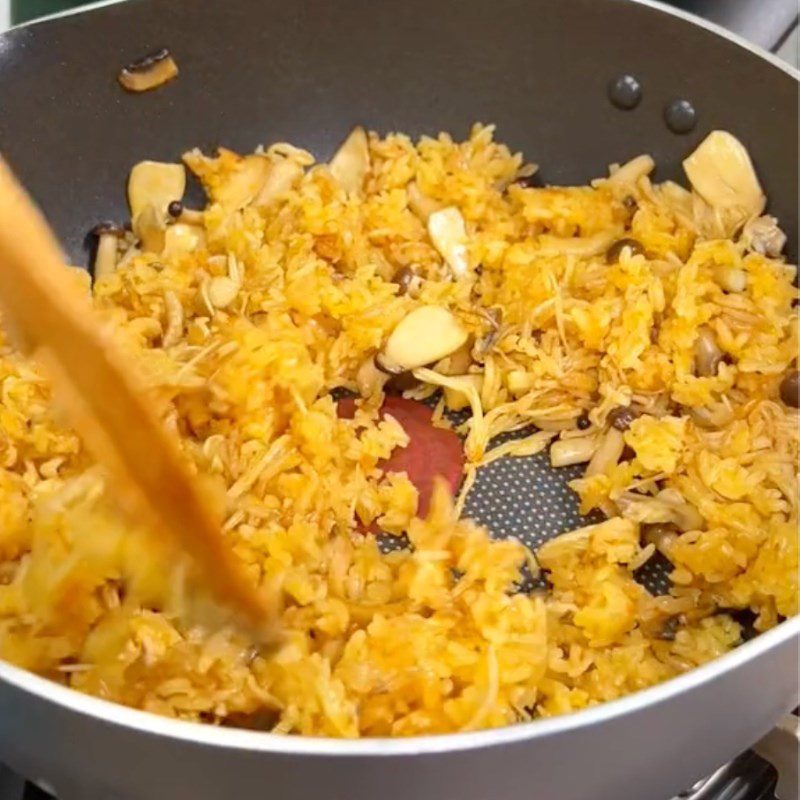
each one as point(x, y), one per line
point(244, 184)
point(721, 172)
point(426, 335)
point(105, 260)
point(149, 72)
point(449, 236)
point(150, 229)
point(280, 178)
point(351, 163)
point(155, 183)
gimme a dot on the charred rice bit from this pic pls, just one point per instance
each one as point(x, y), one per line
point(421, 265)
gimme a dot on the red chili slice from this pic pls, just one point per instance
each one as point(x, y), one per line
point(431, 451)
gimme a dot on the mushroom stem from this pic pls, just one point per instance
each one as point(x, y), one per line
point(707, 354)
point(191, 216)
point(105, 260)
point(608, 453)
point(578, 450)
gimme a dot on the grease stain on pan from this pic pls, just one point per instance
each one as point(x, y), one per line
point(625, 92)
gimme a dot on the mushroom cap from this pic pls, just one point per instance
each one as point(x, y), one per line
point(107, 227)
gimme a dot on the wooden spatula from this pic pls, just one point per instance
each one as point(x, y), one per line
point(50, 320)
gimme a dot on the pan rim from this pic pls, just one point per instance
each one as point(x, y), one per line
point(656, 5)
point(264, 742)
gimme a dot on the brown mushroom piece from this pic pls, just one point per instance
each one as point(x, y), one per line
point(108, 235)
point(669, 630)
point(148, 73)
point(707, 355)
point(402, 382)
point(393, 380)
point(484, 344)
point(621, 417)
point(790, 389)
point(615, 251)
point(408, 281)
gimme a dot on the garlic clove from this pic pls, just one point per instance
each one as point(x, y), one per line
point(449, 236)
point(350, 164)
point(281, 177)
point(424, 336)
point(721, 172)
point(155, 183)
point(244, 183)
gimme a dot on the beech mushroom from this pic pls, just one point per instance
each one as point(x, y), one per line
point(149, 72)
point(105, 259)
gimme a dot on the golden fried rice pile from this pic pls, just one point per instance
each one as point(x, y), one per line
point(643, 329)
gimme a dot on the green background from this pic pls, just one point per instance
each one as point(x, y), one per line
point(23, 10)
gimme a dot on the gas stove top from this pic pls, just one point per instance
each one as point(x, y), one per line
point(767, 23)
point(748, 777)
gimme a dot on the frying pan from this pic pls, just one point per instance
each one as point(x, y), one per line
point(305, 71)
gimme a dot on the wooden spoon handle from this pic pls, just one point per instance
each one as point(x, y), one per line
point(106, 399)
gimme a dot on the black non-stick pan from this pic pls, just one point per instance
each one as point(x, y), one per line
point(305, 71)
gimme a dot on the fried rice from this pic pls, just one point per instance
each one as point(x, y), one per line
point(625, 324)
